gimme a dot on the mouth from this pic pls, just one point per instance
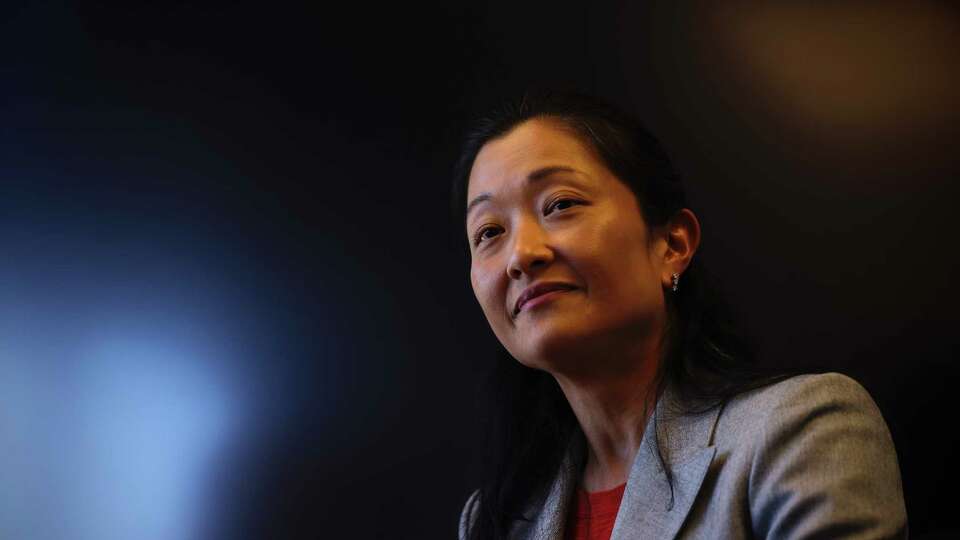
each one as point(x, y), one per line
point(539, 296)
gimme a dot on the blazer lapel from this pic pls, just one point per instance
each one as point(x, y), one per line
point(648, 509)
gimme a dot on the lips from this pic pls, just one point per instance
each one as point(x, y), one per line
point(539, 289)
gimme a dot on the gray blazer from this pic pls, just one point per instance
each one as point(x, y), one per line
point(808, 457)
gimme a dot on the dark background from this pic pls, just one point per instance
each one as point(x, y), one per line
point(233, 303)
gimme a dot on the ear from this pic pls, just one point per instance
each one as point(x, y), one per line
point(682, 236)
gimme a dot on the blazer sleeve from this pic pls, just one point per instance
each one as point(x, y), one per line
point(469, 514)
point(826, 466)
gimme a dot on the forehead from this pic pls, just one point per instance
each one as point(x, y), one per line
point(533, 144)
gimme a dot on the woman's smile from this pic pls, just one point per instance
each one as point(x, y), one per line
point(542, 299)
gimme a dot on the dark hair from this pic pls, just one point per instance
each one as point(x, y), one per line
point(705, 361)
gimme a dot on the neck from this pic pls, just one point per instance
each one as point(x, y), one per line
point(612, 409)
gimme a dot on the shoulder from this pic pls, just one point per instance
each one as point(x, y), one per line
point(794, 399)
point(804, 391)
point(804, 413)
point(817, 458)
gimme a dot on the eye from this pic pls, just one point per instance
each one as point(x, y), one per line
point(560, 204)
point(479, 236)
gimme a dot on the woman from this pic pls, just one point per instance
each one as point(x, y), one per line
point(625, 405)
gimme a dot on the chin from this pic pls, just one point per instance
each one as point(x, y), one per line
point(551, 349)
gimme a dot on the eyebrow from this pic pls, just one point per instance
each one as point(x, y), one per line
point(537, 174)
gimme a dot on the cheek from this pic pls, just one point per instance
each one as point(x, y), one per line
point(484, 287)
point(618, 270)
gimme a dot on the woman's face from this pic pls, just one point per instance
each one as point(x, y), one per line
point(543, 208)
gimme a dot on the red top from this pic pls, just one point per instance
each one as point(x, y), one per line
point(592, 515)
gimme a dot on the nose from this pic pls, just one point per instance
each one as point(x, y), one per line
point(530, 250)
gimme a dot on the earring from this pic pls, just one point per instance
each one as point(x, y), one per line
point(676, 280)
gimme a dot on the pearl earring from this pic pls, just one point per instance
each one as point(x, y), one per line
point(676, 280)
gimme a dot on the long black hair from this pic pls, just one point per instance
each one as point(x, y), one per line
point(529, 423)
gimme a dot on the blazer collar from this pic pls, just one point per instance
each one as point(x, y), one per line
point(649, 509)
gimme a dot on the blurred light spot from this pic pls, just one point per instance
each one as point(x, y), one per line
point(862, 66)
point(109, 431)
